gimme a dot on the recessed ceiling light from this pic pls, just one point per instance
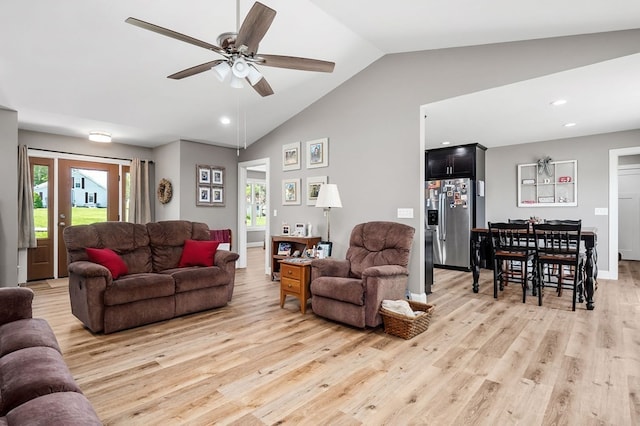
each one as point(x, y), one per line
point(559, 102)
point(569, 124)
point(225, 120)
point(102, 137)
point(446, 143)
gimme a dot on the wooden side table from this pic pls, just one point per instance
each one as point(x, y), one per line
point(295, 277)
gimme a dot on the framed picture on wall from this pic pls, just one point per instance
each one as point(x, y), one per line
point(204, 195)
point(291, 159)
point(217, 176)
point(290, 192)
point(313, 188)
point(317, 153)
point(204, 175)
point(209, 185)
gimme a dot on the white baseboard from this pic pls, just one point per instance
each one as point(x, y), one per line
point(419, 297)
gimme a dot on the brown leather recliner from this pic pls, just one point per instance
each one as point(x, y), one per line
point(375, 268)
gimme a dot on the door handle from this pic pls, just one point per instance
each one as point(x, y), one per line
point(62, 224)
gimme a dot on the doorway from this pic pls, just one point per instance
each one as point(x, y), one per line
point(614, 155)
point(244, 169)
point(629, 208)
point(69, 190)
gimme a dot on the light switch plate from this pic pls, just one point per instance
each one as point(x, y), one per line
point(602, 211)
point(405, 213)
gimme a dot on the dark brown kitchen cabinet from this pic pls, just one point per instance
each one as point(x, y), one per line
point(457, 161)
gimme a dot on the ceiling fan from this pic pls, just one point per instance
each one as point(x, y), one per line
point(240, 52)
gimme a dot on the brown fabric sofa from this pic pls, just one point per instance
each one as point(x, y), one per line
point(375, 268)
point(36, 387)
point(155, 288)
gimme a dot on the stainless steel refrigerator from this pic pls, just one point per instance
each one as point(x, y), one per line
point(450, 207)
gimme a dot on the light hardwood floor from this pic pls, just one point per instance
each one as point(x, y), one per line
point(481, 362)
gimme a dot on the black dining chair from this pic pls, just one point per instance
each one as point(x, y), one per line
point(511, 243)
point(556, 270)
point(558, 246)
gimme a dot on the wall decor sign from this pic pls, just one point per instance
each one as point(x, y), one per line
point(313, 188)
point(290, 192)
point(317, 153)
point(209, 185)
point(291, 158)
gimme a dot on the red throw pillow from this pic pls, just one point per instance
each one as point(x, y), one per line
point(109, 259)
point(198, 253)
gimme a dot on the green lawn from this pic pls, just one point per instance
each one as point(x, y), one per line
point(79, 216)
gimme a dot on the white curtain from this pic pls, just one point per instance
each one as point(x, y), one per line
point(26, 223)
point(139, 203)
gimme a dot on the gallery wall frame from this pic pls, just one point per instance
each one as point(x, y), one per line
point(317, 153)
point(209, 185)
point(291, 192)
point(313, 188)
point(291, 156)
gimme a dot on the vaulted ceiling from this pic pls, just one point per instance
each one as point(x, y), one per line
point(72, 66)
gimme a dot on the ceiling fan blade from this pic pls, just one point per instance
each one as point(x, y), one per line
point(173, 34)
point(295, 63)
point(254, 27)
point(195, 70)
point(263, 87)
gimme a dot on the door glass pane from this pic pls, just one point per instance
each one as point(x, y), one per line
point(89, 199)
point(40, 200)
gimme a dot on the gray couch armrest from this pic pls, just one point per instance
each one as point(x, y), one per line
point(329, 268)
point(16, 304)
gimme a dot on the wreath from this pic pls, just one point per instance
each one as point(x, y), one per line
point(165, 191)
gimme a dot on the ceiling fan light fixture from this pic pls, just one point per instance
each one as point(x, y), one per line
point(236, 82)
point(222, 70)
point(240, 68)
point(102, 137)
point(254, 75)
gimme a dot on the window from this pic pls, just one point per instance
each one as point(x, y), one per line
point(256, 193)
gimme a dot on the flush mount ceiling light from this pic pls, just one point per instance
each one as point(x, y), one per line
point(225, 120)
point(446, 143)
point(569, 124)
point(102, 137)
point(559, 102)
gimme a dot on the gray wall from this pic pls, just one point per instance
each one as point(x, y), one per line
point(8, 201)
point(373, 124)
point(192, 154)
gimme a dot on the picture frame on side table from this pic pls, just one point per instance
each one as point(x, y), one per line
point(313, 188)
point(284, 249)
point(291, 158)
point(290, 192)
point(326, 247)
point(317, 153)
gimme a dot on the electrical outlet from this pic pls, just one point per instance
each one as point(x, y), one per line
point(405, 213)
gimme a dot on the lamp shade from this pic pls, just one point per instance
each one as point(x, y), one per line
point(222, 70)
point(329, 196)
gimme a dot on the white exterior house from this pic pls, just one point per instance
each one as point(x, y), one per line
point(89, 189)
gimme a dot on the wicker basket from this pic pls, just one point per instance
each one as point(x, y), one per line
point(406, 327)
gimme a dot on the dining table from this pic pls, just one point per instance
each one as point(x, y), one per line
point(589, 235)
